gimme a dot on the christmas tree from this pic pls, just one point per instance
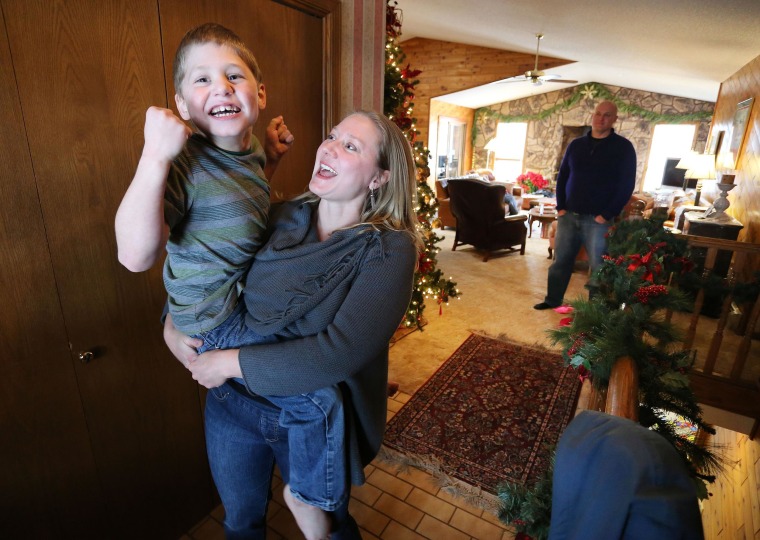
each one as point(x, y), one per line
point(398, 106)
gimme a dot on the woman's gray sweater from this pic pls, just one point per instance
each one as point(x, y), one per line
point(335, 305)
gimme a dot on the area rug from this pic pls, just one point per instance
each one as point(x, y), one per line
point(490, 414)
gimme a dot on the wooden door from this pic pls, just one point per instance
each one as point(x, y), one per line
point(86, 71)
point(112, 448)
point(47, 477)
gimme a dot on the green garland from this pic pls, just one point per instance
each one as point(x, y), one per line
point(637, 282)
point(639, 279)
point(591, 90)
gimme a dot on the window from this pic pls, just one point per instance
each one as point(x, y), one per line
point(450, 151)
point(509, 150)
point(668, 141)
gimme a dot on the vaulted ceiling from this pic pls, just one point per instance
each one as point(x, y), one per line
point(679, 47)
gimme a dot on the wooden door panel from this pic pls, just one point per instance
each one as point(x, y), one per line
point(87, 71)
point(288, 44)
point(48, 477)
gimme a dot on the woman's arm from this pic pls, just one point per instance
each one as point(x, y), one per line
point(211, 368)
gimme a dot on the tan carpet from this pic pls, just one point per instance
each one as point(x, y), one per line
point(497, 300)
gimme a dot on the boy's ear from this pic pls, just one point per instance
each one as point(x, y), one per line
point(262, 96)
point(182, 107)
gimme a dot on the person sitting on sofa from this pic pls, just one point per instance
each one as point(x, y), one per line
point(509, 199)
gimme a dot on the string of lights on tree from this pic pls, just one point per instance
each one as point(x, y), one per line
point(398, 106)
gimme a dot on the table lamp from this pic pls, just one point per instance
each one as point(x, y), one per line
point(698, 167)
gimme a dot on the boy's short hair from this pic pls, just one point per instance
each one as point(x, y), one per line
point(212, 33)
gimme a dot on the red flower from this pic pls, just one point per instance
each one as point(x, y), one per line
point(531, 182)
point(566, 321)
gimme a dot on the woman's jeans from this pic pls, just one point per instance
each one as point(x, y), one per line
point(315, 422)
point(245, 437)
point(573, 231)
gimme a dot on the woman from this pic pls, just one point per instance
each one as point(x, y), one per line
point(332, 284)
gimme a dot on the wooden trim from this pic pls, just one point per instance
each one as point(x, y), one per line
point(329, 12)
point(734, 396)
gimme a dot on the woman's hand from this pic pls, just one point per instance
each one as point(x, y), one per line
point(213, 368)
point(182, 346)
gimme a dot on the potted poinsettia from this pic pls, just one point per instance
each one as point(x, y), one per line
point(530, 182)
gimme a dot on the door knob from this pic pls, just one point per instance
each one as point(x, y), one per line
point(86, 356)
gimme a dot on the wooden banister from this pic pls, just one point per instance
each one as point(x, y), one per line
point(623, 389)
point(741, 261)
point(620, 398)
point(726, 390)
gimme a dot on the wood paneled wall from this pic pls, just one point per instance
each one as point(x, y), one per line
point(745, 197)
point(450, 67)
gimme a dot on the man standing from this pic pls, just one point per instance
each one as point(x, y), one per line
point(595, 181)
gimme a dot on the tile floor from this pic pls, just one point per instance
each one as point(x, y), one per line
point(391, 505)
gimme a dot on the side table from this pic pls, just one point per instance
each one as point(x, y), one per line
point(544, 218)
point(680, 215)
point(726, 228)
point(697, 225)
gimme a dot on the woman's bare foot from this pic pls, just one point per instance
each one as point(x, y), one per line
point(313, 522)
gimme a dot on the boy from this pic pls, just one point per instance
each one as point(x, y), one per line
point(204, 196)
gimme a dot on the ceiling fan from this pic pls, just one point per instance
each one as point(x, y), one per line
point(535, 76)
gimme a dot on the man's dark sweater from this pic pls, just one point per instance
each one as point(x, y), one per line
point(597, 176)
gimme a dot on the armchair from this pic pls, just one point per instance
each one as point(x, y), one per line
point(478, 207)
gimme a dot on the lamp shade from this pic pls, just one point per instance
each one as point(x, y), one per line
point(699, 166)
point(687, 160)
point(491, 145)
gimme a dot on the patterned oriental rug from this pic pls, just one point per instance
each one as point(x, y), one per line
point(491, 414)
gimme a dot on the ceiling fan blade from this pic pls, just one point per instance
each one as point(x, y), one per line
point(518, 78)
point(568, 81)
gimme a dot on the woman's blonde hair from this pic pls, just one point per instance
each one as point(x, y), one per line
point(394, 201)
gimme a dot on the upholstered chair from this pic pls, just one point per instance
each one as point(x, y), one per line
point(478, 207)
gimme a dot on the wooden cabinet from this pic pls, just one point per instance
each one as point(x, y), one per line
point(112, 447)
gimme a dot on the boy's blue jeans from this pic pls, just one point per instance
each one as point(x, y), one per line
point(314, 422)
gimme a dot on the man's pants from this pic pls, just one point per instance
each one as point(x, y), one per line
point(573, 231)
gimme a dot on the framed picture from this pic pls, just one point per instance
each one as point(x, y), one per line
point(715, 142)
point(739, 126)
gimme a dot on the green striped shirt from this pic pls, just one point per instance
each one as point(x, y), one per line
point(216, 205)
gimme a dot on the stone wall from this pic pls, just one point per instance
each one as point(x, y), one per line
point(544, 139)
